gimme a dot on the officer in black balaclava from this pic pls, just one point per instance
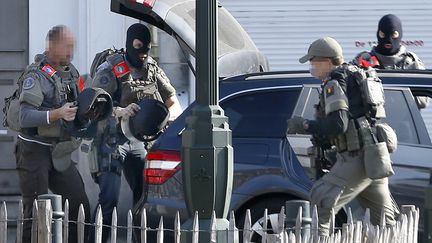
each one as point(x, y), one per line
point(390, 53)
point(389, 35)
point(136, 56)
point(130, 78)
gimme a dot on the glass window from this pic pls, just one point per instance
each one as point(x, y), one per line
point(426, 114)
point(312, 101)
point(399, 116)
point(397, 111)
point(260, 114)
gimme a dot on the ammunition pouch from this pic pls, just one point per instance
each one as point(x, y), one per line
point(386, 134)
point(90, 154)
point(61, 154)
point(349, 141)
point(377, 161)
point(53, 130)
point(134, 91)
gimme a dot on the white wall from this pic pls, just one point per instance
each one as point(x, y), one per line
point(283, 29)
point(94, 25)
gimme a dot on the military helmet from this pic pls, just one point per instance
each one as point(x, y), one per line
point(94, 104)
point(148, 123)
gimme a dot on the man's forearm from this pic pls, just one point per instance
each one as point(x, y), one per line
point(335, 123)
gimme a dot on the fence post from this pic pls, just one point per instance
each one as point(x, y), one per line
point(129, 227)
point(233, 231)
point(44, 221)
point(3, 223)
point(57, 214)
point(81, 224)
point(177, 227)
point(144, 226)
point(20, 222)
point(114, 226)
point(247, 228)
point(66, 222)
point(34, 229)
point(298, 215)
point(98, 226)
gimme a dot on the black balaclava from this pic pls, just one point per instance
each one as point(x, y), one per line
point(142, 33)
point(388, 24)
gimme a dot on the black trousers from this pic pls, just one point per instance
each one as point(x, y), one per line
point(37, 175)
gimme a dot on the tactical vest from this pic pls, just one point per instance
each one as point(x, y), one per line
point(366, 107)
point(65, 90)
point(133, 90)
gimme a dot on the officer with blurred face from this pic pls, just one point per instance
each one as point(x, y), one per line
point(129, 77)
point(389, 53)
point(44, 146)
point(339, 113)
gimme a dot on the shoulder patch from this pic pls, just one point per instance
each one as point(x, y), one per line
point(330, 91)
point(28, 83)
point(104, 80)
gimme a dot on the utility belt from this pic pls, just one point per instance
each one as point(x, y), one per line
point(375, 142)
point(359, 134)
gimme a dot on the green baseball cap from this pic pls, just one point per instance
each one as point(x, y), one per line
point(323, 47)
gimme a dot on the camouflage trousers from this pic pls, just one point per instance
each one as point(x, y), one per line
point(346, 181)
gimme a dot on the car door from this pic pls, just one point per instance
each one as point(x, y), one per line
point(237, 53)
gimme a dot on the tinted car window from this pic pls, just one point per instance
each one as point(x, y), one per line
point(397, 111)
point(426, 114)
point(399, 116)
point(260, 114)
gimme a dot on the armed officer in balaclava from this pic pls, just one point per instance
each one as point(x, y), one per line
point(129, 77)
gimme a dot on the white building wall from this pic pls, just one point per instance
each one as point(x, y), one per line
point(95, 27)
point(283, 29)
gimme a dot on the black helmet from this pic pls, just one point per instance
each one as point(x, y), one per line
point(94, 104)
point(148, 123)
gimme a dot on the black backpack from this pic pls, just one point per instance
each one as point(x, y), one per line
point(101, 57)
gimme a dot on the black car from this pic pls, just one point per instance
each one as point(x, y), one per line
point(270, 168)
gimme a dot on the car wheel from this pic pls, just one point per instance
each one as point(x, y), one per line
point(273, 207)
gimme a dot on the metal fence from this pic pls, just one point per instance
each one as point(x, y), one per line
point(404, 231)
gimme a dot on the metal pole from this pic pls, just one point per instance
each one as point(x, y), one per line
point(58, 214)
point(207, 153)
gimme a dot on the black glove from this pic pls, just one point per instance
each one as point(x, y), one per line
point(296, 125)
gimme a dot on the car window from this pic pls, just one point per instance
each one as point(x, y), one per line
point(426, 114)
point(260, 114)
point(399, 116)
point(397, 111)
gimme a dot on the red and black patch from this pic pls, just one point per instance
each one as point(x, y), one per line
point(121, 69)
point(48, 69)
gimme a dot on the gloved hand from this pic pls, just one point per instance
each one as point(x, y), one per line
point(126, 112)
point(296, 125)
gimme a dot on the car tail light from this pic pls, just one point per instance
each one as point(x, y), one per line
point(147, 3)
point(161, 165)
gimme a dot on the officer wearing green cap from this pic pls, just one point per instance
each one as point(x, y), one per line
point(339, 116)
